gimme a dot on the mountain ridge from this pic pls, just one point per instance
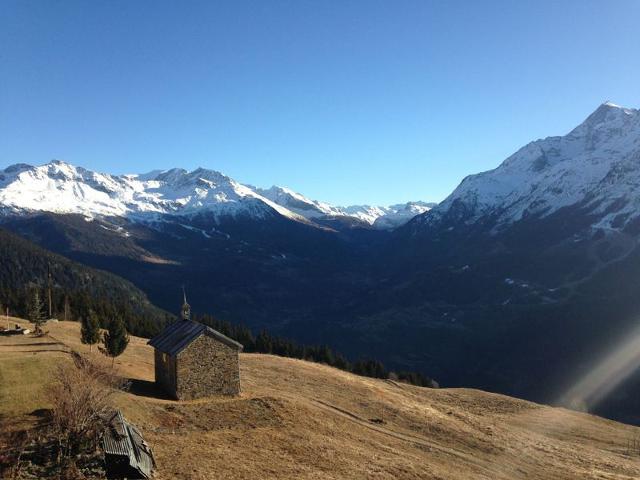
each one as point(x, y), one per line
point(63, 188)
point(555, 172)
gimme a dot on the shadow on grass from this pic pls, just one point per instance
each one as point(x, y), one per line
point(145, 388)
point(43, 415)
point(42, 350)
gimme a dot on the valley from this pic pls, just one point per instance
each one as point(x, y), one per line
point(536, 262)
point(319, 240)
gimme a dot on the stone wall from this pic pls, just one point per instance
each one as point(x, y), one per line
point(166, 372)
point(207, 367)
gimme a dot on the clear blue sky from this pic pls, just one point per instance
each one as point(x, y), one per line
point(345, 101)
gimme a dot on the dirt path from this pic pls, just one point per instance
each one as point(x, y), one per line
point(406, 437)
point(30, 344)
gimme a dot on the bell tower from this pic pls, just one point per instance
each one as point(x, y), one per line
point(185, 313)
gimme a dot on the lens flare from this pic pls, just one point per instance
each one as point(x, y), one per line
point(607, 374)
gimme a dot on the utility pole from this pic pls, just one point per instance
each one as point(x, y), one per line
point(49, 289)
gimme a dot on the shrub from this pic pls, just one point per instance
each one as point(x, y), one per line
point(80, 397)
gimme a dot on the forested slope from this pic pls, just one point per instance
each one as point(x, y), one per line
point(75, 288)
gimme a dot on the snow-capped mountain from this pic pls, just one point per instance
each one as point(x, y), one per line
point(298, 203)
point(377, 216)
point(387, 217)
point(397, 215)
point(596, 165)
point(60, 187)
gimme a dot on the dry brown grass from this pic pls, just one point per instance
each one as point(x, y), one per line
point(80, 396)
point(301, 420)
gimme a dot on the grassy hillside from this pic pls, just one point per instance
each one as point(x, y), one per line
point(301, 420)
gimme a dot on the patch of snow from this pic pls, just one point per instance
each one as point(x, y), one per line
point(194, 229)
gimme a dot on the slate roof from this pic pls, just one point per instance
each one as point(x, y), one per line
point(177, 336)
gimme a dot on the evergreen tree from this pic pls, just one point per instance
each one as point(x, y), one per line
point(90, 329)
point(341, 363)
point(115, 339)
point(325, 355)
point(264, 343)
point(35, 310)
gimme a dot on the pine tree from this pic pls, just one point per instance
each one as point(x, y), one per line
point(35, 311)
point(264, 343)
point(325, 355)
point(90, 330)
point(115, 339)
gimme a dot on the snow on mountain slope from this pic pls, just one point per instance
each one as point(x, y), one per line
point(60, 187)
point(379, 217)
point(388, 217)
point(298, 203)
point(365, 213)
point(597, 164)
point(397, 215)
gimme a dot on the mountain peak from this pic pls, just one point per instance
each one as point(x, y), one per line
point(615, 106)
point(57, 161)
point(16, 167)
point(611, 104)
point(609, 120)
point(608, 112)
point(595, 161)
